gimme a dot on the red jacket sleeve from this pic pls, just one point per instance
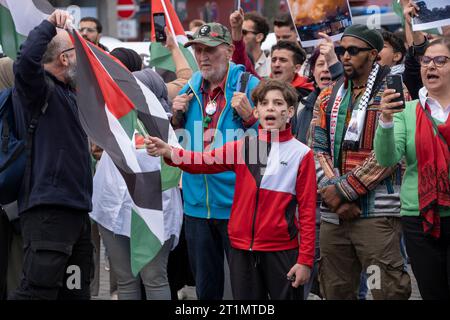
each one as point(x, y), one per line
point(240, 57)
point(306, 190)
point(215, 161)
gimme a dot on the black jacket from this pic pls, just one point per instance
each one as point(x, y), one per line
point(304, 116)
point(411, 76)
point(61, 167)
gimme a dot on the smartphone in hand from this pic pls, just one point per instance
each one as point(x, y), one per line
point(395, 81)
point(159, 22)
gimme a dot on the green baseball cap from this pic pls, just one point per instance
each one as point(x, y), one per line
point(211, 34)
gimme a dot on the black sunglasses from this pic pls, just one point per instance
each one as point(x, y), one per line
point(245, 32)
point(352, 50)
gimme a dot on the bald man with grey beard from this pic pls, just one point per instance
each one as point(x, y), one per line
point(55, 198)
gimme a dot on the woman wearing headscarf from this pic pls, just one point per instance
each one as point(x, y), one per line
point(178, 270)
point(112, 209)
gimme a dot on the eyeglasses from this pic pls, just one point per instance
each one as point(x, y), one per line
point(438, 61)
point(245, 32)
point(67, 50)
point(90, 30)
point(352, 50)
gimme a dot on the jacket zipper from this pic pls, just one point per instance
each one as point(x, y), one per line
point(212, 144)
point(214, 137)
point(254, 219)
point(204, 176)
point(256, 202)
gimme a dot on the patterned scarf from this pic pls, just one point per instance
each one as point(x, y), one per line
point(356, 125)
point(433, 166)
point(398, 69)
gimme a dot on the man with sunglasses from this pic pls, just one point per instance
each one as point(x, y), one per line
point(91, 29)
point(360, 211)
point(55, 198)
point(248, 32)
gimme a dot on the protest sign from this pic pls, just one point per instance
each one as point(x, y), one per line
point(314, 16)
point(432, 14)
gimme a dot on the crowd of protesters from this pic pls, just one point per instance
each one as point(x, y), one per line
point(329, 181)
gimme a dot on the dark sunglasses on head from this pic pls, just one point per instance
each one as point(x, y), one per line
point(245, 32)
point(352, 50)
point(90, 30)
point(438, 61)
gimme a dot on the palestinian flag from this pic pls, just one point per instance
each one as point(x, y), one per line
point(17, 19)
point(111, 104)
point(160, 56)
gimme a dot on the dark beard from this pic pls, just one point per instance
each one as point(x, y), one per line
point(355, 74)
point(73, 84)
point(352, 75)
point(250, 47)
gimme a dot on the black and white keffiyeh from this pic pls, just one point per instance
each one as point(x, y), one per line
point(356, 125)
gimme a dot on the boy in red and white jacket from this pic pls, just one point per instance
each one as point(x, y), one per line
point(272, 246)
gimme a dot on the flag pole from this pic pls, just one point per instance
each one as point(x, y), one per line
point(172, 30)
point(293, 21)
point(239, 4)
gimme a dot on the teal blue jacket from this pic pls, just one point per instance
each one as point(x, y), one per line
point(211, 195)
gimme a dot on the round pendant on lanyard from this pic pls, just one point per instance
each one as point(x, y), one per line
point(211, 108)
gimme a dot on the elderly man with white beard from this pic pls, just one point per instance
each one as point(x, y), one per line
point(55, 197)
point(206, 108)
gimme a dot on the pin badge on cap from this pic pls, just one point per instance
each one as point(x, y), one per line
point(205, 30)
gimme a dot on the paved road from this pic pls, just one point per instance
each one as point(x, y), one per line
point(189, 292)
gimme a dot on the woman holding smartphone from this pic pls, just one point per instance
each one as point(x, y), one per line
point(420, 131)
